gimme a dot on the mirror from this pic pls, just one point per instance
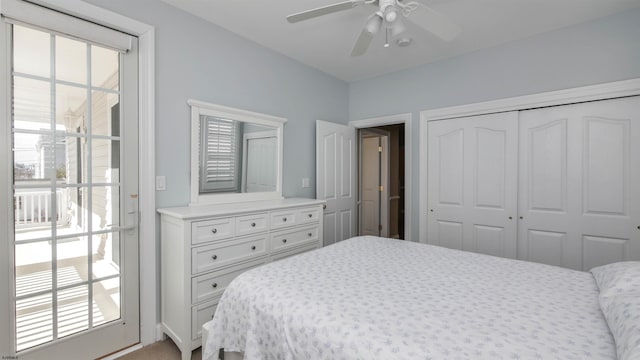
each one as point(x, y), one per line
point(236, 154)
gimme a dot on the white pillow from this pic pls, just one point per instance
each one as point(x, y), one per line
point(617, 278)
point(622, 312)
point(619, 285)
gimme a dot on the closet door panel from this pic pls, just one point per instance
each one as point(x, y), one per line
point(445, 184)
point(577, 180)
point(544, 228)
point(472, 179)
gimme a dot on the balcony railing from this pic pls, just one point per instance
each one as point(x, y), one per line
point(34, 207)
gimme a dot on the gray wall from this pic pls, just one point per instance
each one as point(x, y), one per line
point(198, 60)
point(601, 51)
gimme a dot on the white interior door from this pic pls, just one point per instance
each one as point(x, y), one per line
point(73, 177)
point(336, 179)
point(370, 182)
point(580, 183)
point(260, 163)
point(472, 180)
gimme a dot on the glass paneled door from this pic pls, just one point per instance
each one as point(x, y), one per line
point(74, 182)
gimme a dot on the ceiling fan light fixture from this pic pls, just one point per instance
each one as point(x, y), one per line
point(397, 27)
point(374, 24)
point(390, 14)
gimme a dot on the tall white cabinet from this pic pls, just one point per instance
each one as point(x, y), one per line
point(203, 248)
point(558, 185)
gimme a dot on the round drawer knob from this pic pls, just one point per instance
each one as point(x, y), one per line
point(214, 285)
point(284, 241)
point(310, 215)
point(214, 230)
point(214, 257)
point(284, 219)
point(253, 224)
point(510, 217)
point(253, 247)
point(310, 234)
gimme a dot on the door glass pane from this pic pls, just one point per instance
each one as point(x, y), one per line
point(106, 255)
point(31, 51)
point(73, 262)
point(71, 108)
point(71, 60)
point(75, 160)
point(73, 315)
point(33, 268)
point(104, 68)
point(105, 114)
point(31, 104)
point(105, 211)
point(32, 213)
point(34, 321)
point(74, 202)
point(106, 161)
point(106, 295)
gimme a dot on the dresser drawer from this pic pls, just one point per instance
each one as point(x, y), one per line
point(283, 219)
point(286, 239)
point(211, 230)
point(251, 224)
point(309, 215)
point(208, 286)
point(201, 314)
point(211, 257)
point(288, 253)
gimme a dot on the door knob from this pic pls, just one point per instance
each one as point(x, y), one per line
point(324, 206)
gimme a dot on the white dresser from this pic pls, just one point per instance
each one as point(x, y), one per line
point(205, 247)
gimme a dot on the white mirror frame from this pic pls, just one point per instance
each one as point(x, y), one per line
point(203, 108)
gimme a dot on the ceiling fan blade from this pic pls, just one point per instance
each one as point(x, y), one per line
point(362, 44)
point(313, 13)
point(434, 22)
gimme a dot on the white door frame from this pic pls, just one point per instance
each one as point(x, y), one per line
point(146, 104)
point(392, 120)
point(551, 98)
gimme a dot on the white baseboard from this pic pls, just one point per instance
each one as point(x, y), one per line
point(124, 352)
point(159, 333)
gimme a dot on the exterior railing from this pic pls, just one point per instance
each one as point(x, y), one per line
point(34, 207)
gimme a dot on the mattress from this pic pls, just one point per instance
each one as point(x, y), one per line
point(377, 298)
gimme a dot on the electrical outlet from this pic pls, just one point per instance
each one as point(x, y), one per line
point(305, 182)
point(161, 183)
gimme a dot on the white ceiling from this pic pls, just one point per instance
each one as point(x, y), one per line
point(325, 43)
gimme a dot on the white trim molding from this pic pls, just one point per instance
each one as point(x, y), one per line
point(604, 91)
point(551, 98)
point(392, 120)
point(146, 105)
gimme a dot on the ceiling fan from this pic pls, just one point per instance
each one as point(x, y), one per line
point(389, 16)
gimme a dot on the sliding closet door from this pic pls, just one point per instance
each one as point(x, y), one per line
point(472, 180)
point(579, 190)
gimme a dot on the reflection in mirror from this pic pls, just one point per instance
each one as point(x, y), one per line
point(236, 156)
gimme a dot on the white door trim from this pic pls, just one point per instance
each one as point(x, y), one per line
point(146, 105)
point(392, 120)
point(551, 98)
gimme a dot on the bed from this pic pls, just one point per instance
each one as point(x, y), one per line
point(377, 298)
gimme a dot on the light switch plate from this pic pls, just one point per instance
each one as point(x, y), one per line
point(161, 183)
point(305, 182)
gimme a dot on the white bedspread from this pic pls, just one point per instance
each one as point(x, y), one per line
point(375, 298)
